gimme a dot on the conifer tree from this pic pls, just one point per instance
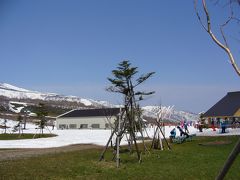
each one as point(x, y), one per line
point(125, 83)
point(41, 114)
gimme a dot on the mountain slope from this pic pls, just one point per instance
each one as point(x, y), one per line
point(169, 113)
point(60, 103)
point(14, 92)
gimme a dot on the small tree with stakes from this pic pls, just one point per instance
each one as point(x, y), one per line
point(128, 122)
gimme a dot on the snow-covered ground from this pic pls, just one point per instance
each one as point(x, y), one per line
point(99, 137)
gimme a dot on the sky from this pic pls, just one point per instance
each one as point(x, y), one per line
point(70, 47)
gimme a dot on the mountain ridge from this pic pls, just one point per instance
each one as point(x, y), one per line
point(13, 93)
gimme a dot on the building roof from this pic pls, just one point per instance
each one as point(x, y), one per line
point(227, 106)
point(91, 112)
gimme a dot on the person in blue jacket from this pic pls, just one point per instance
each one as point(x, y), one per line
point(172, 134)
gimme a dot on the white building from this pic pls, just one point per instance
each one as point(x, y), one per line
point(88, 118)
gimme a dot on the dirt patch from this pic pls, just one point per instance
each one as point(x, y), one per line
point(215, 143)
point(12, 154)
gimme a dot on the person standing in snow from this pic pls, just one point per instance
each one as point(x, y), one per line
point(182, 124)
point(186, 127)
point(223, 126)
point(212, 124)
point(172, 134)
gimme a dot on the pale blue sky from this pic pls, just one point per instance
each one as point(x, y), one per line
point(71, 46)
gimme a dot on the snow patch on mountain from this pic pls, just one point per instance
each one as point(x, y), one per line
point(16, 106)
point(11, 87)
point(168, 112)
point(11, 91)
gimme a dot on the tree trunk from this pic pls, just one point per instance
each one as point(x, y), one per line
point(110, 138)
point(25, 122)
point(229, 161)
point(136, 146)
point(118, 144)
point(19, 130)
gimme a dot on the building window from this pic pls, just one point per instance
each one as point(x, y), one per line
point(62, 126)
point(72, 126)
point(96, 126)
point(83, 126)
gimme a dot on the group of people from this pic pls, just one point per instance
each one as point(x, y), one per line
point(218, 122)
point(222, 123)
point(184, 132)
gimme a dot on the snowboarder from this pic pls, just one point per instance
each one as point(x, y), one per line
point(182, 132)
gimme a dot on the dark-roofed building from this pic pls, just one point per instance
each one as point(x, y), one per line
point(88, 118)
point(227, 107)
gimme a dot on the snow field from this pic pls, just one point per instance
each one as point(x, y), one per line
point(85, 136)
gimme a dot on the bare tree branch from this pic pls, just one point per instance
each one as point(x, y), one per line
point(214, 38)
point(227, 49)
point(198, 16)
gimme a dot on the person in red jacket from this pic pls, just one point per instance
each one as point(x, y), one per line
point(212, 124)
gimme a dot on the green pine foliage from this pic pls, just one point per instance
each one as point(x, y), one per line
point(124, 80)
point(41, 114)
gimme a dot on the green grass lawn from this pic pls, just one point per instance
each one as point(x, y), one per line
point(23, 136)
point(185, 161)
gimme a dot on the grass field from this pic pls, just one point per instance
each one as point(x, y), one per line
point(185, 161)
point(23, 136)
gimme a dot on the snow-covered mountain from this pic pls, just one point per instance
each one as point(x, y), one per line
point(11, 91)
point(169, 113)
